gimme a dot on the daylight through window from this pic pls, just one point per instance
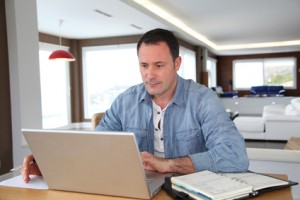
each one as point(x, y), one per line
point(270, 71)
point(110, 70)
point(55, 88)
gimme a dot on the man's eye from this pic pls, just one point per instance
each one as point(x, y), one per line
point(159, 66)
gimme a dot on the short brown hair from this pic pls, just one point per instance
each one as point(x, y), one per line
point(161, 35)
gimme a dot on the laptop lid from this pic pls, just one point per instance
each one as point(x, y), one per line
point(91, 162)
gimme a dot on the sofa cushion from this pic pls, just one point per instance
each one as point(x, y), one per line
point(291, 110)
point(274, 108)
point(281, 118)
point(250, 124)
point(296, 103)
point(258, 89)
point(267, 90)
point(274, 90)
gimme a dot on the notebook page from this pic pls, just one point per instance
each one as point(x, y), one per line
point(211, 185)
point(36, 182)
point(258, 181)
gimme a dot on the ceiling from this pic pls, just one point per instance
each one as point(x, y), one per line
point(225, 27)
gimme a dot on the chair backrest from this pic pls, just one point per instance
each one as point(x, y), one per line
point(96, 119)
point(217, 89)
point(269, 90)
point(259, 89)
point(275, 89)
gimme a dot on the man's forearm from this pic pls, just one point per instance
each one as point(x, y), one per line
point(183, 165)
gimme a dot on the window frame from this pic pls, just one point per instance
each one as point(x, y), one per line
point(86, 114)
point(43, 46)
point(212, 71)
point(263, 60)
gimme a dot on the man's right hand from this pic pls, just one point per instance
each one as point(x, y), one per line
point(29, 168)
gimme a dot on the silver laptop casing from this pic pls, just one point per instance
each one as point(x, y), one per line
point(106, 163)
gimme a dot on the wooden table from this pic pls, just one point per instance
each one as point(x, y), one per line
point(11, 193)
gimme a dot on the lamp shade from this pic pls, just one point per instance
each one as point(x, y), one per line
point(61, 55)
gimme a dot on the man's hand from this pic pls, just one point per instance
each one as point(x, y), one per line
point(154, 163)
point(183, 165)
point(29, 168)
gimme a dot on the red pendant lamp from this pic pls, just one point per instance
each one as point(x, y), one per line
point(61, 54)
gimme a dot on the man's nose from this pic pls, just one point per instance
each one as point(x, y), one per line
point(151, 72)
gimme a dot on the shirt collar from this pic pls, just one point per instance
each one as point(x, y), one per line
point(178, 99)
point(179, 96)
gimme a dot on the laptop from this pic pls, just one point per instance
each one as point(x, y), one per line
point(106, 163)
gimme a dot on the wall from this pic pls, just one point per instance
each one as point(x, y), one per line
point(224, 69)
point(5, 114)
point(23, 46)
point(254, 105)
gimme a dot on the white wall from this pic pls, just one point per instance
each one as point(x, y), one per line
point(253, 105)
point(22, 33)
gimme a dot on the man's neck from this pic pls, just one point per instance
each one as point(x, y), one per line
point(163, 100)
point(162, 103)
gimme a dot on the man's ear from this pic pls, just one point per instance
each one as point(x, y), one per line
point(178, 63)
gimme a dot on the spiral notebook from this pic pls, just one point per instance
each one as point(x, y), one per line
point(210, 185)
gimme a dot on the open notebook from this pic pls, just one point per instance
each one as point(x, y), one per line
point(209, 185)
point(92, 162)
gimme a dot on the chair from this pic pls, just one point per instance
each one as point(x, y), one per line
point(219, 91)
point(258, 90)
point(276, 90)
point(267, 90)
point(96, 119)
point(293, 144)
point(234, 115)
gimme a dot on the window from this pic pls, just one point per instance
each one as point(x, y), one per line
point(107, 72)
point(270, 71)
point(211, 67)
point(54, 76)
point(110, 70)
point(188, 65)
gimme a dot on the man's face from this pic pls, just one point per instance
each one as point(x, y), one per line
point(158, 70)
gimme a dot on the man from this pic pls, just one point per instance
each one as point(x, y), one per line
point(180, 126)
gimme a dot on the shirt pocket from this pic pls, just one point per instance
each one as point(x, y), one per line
point(187, 142)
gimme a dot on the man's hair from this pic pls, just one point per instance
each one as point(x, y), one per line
point(161, 35)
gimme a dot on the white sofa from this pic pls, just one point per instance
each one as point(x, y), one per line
point(278, 122)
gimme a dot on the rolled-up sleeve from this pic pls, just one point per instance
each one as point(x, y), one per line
point(226, 150)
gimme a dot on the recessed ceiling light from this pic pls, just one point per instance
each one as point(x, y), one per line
point(135, 26)
point(102, 13)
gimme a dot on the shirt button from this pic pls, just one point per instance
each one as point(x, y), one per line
point(156, 129)
point(158, 112)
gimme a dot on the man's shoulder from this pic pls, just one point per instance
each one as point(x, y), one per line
point(136, 90)
point(139, 88)
point(192, 86)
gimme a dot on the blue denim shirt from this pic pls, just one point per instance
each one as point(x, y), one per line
point(195, 125)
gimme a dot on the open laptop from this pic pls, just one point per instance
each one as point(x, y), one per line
point(106, 163)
